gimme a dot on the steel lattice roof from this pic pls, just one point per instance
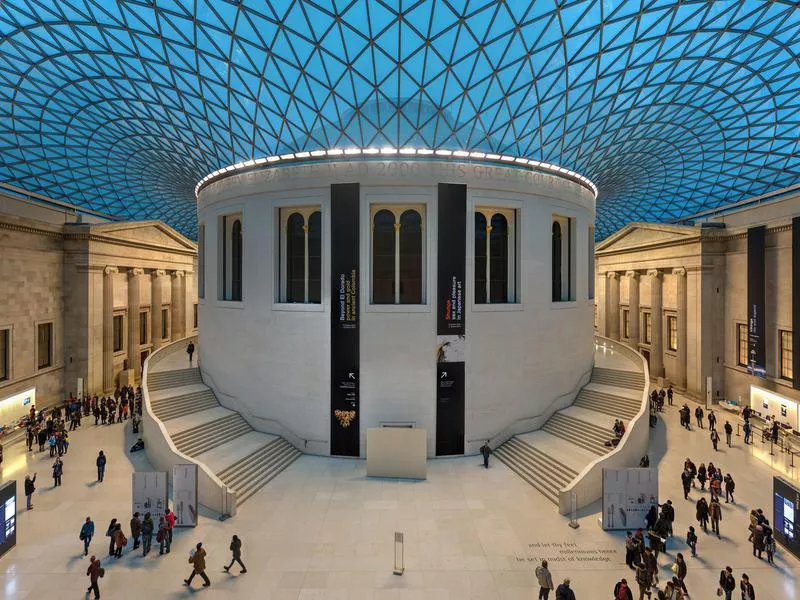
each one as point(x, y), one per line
point(670, 107)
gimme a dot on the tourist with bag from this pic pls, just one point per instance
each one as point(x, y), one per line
point(86, 534)
point(197, 559)
point(543, 577)
point(727, 583)
point(94, 572)
point(622, 591)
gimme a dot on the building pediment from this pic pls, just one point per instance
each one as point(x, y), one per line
point(643, 235)
point(152, 234)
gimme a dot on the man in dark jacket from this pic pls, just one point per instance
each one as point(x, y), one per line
point(147, 533)
point(563, 591)
point(136, 529)
point(727, 582)
point(198, 562)
point(86, 534)
point(101, 466)
point(94, 572)
point(236, 549)
point(644, 579)
point(486, 451)
point(190, 352)
point(29, 489)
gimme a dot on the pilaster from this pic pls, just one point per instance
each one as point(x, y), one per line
point(633, 305)
point(612, 309)
point(657, 323)
point(134, 305)
point(108, 328)
point(178, 305)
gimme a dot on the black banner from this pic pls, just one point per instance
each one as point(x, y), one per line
point(449, 408)
point(345, 439)
point(452, 258)
point(756, 296)
point(796, 303)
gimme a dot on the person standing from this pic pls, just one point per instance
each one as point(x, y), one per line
point(730, 485)
point(198, 561)
point(691, 540)
point(727, 582)
point(702, 514)
point(714, 439)
point(58, 469)
point(564, 592)
point(169, 517)
point(94, 572)
point(110, 534)
point(120, 541)
point(190, 352)
point(86, 534)
point(644, 579)
point(30, 487)
point(747, 432)
point(669, 395)
point(758, 540)
point(680, 572)
point(698, 413)
point(715, 515)
point(748, 592)
point(545, 580)
point(622, 591)
point(236, 549)
point(101, 466)
point(712, 419)
point(162, 537)
point(486, 451)
point(136, 530)
point(769, 546)
point(147, 533)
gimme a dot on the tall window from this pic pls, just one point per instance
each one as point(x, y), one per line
point(301, 255)
point(231, 253)
point(495, 256)
point(626, 323)
point(672, 328)
point(195, 321)
point(647, 327)
point(44, 345)
point(143, 327)
point(562, 258)
point(5, 354)
point(398, 253)
point(590, 258)
point(741, 344)
point(201, 261)
point(165, 323)
point(786, 355)
point(119, 332)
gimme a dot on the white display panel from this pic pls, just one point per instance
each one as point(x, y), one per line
point(774, 405)
point(16, 406)
point(628, 495)
point(150, 493)
point(184, 495)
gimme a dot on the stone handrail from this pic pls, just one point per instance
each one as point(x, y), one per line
point(588, 485)
point(161, 451)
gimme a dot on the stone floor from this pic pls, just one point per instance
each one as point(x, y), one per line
point(323, 530)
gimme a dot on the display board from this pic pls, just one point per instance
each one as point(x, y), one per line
point(150, 493)
point(786, 504)
point(628, 495)
point(17, 406)
point(397, 452)
point(774, 405)
point(184, 495)
point(8, 516)
point(756, 299)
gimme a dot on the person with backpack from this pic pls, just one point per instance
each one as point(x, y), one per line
point(101, 466)
point(727, 583)
point(691, 540)
point(120, 541)
point(622, 591)
point(542, 576)
point(86, 534)
point(162, 537)
point(30, 487)
point(147, 533)
point(564, 592)
point(94, 573)
point(198, 561)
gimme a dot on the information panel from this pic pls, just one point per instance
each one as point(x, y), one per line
point(756, 342)
point(8, 516)
point(786, 504)
point(184, 495)
point(150, 493)
point(344, 320)
point(628, 495)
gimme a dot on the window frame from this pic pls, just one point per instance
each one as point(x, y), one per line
point(672, 345)
point(123, 314)
point(511, 212)
point(590, 260)
point(195, 316)
point(283, 214)
point(201, 261)
point(741, 327)
point(51, 349)
point(144, 326)
point(166, 325)
point(8, 332)
point(625, 319)
point(567, 257)
point(785, 355)
point(225, 270)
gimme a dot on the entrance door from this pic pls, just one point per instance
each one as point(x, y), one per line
point(143, 356)
point(646, 354)
point(449, 408)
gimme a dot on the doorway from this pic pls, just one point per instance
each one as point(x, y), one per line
point(143, 356)
point(449, 408)
point(646, 354)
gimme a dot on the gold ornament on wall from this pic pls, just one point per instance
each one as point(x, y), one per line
point(345, 417)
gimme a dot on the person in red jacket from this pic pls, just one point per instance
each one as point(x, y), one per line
point(169, 516)
point(94, 572)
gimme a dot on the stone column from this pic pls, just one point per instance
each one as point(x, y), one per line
point(134, 305)
point(156, 288)
point(108, 328)
point(633, 305)
point(612, 305)
point(680, 276)
point(178, 305)
point(657, 319)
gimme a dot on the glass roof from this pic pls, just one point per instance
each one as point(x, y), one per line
point(669, 107)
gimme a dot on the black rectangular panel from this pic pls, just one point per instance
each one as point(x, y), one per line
point(786, 504)
point(344, 320)
point(756, 296)
point(8, 517)
point(449, 408)
point(451, 257)
point(796, 303)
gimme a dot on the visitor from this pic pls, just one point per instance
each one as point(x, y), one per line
point(668, 511)
point(136, 530)
point(644, 463)
point(715, 515)
point(680, 570)
point(758, 540)
point(669, 395)
point(110, 534)
point(714, 439)
point(486, 451)
point(198, 561)
point(747, 432)
point(147, 533)
point(162, 537)
point(716, 486)
point(686, 482)
point(769, 546)
point(236, 550)
point(631, 551)
point(691, 540)
point(101, 466)
point(702, 475)
point(190, 352)
point(651, 517)
point(712, 419)
point(169, 517)
point(41, 437)
point(698, 413)
point(622, 591)
point(650, 560)
point(775, 430)
point(30, 487)
point(644, 579)
point(748, 592)
point(730, 485)
point(58, 470)
point(564, 592)
point(94, 572)
point(120, 541)
point(702, 514)
point(727, 583)
point(746, 412)
point(86, 534)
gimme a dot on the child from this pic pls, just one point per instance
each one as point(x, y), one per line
point(691, 540)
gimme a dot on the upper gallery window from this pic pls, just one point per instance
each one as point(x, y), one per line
point(741, 344)
point(786, 355)
point(398, 254)
point(590, 258)
point(562, 258)
point(44, 345)
point(672, 330)
point(495, 255)
point(165, 323)
point(647, 327)
point(119, 332)
point(231, 249)
point(144, 327)
point(626, 323)
point(201, 261)
point(5, 354)
point(300, 255)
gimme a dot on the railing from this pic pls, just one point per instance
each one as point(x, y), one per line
point(587, 487)
point(161, 451)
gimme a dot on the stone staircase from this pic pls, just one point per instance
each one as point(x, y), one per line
point(537, 468)
point(618, 378)
point(620, 407)
point(244, 459)
point(579, 432)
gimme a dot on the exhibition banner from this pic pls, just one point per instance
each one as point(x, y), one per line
point(628, 495)
point(345, 439)
point(756, 295)
point(8, 516)
point(786, 506)
point(184, 495)
point(150, 493)
point(796, 303)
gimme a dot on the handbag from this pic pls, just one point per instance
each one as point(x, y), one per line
point(719, 591)
point(81, 537)
point(674, 568)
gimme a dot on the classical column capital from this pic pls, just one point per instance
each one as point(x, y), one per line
point(158, 273)
point(679, 271)
point(110, 270)
point(631, 274)
point(178, 273)
point(611, 274)
point(134, 271)
point(654, 273)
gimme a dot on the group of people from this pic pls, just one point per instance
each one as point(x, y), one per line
point(762, 536)
point(545, 580)
point(657, 398)
point(692, 475)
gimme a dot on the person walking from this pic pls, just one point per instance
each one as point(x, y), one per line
point(644, 579)
point(712, 419)
point(136, 530)
point(686, 482)
point(543, 576)
point(30, 487)
point(730, 485)
point(727, 583)
point(94, 572)
point(486, 451)
point(162, 537)
point(748, 592)
point(110, 534)
point(758, 540)
point(698, 413)
point(101, 466)
point(715, 515)
point(198, 561)
point(120, 541)
point(669, 395)
point(691, 540)
point(86, 534)
point(564, 592)
point(147, 533)
point(58, 470)
point(680, 570)
point(622, 591)
point(236, 549)
point(190, 352)
point(169, 517)
point(702, 514)
point(714, 439)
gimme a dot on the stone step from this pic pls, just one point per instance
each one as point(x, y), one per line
point(585, 427)
point(279, 456)
point(169, 379)
point(204, 437)
point(544, 473)
point(177, 406)
point(579, 437)
point(605, 408)
point(618, 378)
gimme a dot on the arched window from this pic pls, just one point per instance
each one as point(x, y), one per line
point(495, 256)
point(383, 257)
point(481, 266)
point(236, 260)
point(410, 257)
point(315, 257)
point(295, 259)
point(556, 262)
point(300, 255)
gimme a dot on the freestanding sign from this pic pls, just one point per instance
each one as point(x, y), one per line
point(756, 342)
point(345, 439)
point(184, 495)
point(8, 516)
point(628, 495)
point(786, 506)
point(150, 493)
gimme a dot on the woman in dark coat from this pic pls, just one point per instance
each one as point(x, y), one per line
point(236, 549)
point(702, 513)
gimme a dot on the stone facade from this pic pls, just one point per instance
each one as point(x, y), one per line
point(77, 275)
point(698, 277)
